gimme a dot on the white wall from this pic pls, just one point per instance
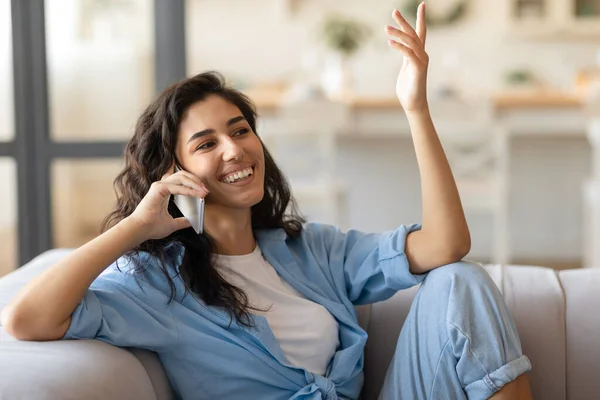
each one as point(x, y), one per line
point(259, 40)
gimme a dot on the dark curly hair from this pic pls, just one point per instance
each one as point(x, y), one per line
point(149, 155)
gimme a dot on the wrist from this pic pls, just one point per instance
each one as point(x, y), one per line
point(418, 112)
point(133, 230)
point(418, 115)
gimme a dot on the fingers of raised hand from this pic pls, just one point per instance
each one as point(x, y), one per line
point(404, 25)
point(406, 51)
point(407, 45)
point(404, 38)
point(421, 23)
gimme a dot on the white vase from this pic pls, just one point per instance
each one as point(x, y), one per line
point(337, 77)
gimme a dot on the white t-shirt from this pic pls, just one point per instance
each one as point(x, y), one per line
point(307, 333)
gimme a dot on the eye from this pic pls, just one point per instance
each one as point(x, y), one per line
point(205, 145)
point(241, 132)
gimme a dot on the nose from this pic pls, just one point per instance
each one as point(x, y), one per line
point(232, 151)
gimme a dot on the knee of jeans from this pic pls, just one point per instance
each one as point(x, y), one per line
point(467, 273)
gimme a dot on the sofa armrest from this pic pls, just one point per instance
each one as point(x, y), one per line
point(12, 283)
point(70, 369)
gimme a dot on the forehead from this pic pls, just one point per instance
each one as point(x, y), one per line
point(213, 112)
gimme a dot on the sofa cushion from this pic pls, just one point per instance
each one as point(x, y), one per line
point(536, 301)
point(582, 289)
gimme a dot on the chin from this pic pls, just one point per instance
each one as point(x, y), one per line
point(253, 200)
point(247, 200)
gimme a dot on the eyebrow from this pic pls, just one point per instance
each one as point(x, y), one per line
point(208, 131)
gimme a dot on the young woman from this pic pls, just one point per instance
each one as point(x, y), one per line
point(261, 305)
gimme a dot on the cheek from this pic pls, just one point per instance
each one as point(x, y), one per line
point(257, 150)
point(204, 168)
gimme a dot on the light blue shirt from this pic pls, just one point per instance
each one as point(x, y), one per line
point(206, 357)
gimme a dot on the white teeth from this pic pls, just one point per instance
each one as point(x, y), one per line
point(239, 175)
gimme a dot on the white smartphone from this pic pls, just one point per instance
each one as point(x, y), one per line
point(192, 209)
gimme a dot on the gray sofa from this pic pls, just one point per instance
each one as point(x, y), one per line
point(557, 315)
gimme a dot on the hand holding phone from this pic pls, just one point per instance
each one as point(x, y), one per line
point(152, 215)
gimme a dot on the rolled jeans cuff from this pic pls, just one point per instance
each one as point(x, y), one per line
point(495, 380)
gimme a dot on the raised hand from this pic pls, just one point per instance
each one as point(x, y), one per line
point(152, 215)
point(411, 86)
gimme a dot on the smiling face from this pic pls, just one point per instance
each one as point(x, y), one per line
point(217, 144)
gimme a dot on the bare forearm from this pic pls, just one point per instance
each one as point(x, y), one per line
point(444, 227)
point(42, 309)
point(444, 236)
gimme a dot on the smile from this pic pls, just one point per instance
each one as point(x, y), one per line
point(238, 176)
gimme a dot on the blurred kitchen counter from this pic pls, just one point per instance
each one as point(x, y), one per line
point(268, 98)
point(539, 113)
point(536, 99)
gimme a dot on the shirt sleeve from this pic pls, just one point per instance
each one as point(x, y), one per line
point(374, 265)
point(124, 312)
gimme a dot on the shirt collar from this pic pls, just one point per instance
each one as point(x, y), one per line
point(278, 235)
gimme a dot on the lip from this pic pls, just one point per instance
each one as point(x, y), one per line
point(236, 168)
point(245, 182)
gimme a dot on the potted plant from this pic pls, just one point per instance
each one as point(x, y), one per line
point(343, 37)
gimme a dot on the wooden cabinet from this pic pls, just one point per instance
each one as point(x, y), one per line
point(555, 18)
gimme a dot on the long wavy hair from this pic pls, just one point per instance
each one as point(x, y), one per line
point(149, 155)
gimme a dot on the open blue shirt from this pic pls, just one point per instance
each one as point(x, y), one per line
point(207, 357)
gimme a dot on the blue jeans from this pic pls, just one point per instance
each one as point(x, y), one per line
point(458, 341)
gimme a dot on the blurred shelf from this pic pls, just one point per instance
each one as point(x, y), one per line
point(554, 19)
point(269, 100)
point(536, 99)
